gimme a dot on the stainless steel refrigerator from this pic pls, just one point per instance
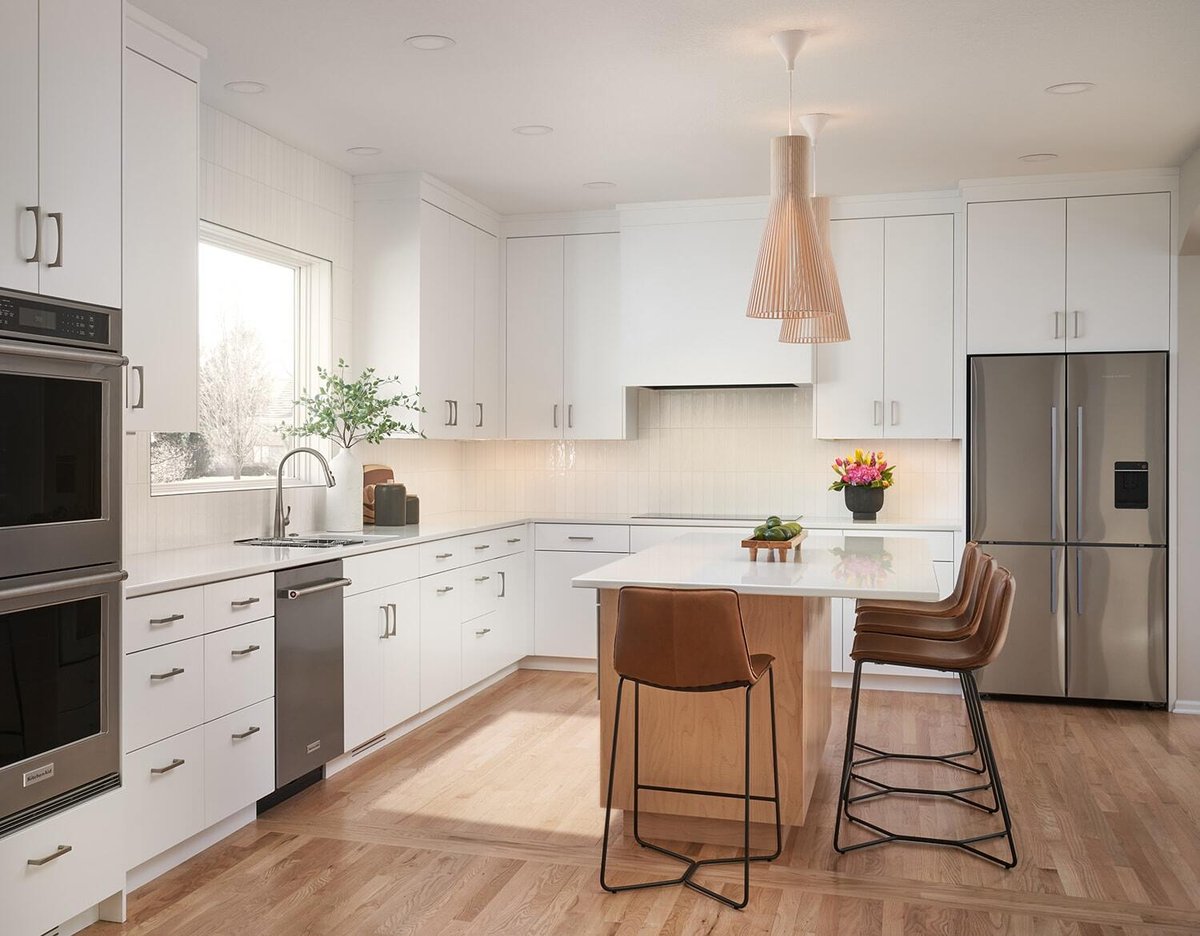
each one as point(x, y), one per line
point(1067, 488)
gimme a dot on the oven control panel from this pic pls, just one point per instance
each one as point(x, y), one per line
point(54, 321)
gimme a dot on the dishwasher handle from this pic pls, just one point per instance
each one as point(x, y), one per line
point(303, 591)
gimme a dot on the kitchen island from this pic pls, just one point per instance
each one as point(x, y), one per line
point(694, 740)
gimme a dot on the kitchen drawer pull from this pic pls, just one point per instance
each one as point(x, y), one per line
point(58, 223)
point(169, 619)
point(483, 546)
point(175, 762)
point(513, 539)
point(244, 603)
point(482, 578)
point(581, 539)
point(239, 735)
point(174, 671)
point(304, 590)
point(444, 589)
point(442, 555)
point(58, 853)
point(247, 650)
point(481, 633)
point(36, 211)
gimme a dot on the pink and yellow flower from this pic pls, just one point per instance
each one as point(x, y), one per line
point(862, 469)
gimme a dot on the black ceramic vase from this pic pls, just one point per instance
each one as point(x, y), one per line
point(863, 502)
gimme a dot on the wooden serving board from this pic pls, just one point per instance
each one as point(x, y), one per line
point(776, 547)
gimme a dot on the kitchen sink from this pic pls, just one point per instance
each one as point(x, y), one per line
point(308, 542)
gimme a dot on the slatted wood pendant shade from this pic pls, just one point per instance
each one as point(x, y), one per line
point(823, 329)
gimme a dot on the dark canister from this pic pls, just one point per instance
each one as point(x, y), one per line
point(391, 504)
point(414, 509)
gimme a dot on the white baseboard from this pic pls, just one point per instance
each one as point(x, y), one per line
point(343, 761)
point(562, 664)
point(1186, 707)
point(178, 854)
point(938, 684)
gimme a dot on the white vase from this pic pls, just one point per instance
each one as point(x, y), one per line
point(343, 501)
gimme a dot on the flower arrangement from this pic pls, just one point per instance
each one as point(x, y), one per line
point(862, 469)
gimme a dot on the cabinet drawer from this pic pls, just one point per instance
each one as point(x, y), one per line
point(239, 760)
point(493, 544)
point(481, 589)
point(582, 537)
point(440, 555)
point(164, 789)
point(485, 647)
point(941, 543)
point(239, 667)
point(380, 569)
point(238, 601)
point(36, 898)
point(162, 692)
point(158, 619)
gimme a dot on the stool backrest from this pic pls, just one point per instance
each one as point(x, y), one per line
point(996, 607)
point(974, 599)
point(969, 569)
point(681, 638)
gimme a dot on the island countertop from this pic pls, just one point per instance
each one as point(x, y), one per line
point(832, 566)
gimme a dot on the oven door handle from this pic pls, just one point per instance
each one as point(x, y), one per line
point(84, 581)
point(74, 355)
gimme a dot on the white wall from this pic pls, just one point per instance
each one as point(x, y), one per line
point(1187, 455)
point(254, 183)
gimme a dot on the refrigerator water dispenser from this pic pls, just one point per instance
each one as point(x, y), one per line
point(1131, 485)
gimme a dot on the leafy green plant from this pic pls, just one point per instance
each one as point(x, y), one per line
point(351, 411)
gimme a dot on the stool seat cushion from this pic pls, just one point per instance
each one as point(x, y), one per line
point(910, 625)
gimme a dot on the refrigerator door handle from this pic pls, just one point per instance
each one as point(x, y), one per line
point(1053, 470)
point(1079, 473)
point(1053, 581)
point(1079, 582)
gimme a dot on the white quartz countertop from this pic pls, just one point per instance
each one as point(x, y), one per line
point(888, 567)
point(198, 565)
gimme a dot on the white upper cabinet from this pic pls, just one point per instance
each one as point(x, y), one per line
point(425, 286)
point(894, 378)
point(1069, 274)
point(1119, 273)
point(160, 246)
point(534, 310)
point(685, 282)
point(62, 57)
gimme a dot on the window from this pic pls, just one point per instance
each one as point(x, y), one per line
point(261, 310)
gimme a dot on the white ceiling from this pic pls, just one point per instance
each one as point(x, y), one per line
point(677, 99)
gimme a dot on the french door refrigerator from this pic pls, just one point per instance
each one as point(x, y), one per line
point(1067, 488)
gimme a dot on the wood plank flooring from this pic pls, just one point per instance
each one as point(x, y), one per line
point(485, 821)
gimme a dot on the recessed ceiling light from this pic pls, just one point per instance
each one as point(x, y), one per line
point(533, 130)
point(599, 185)
point(364, 151)
point(245, 87)
point(1038, 157)
point(429, 42)
point(1071, 87)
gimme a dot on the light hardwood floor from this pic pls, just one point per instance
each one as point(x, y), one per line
point(486, 821)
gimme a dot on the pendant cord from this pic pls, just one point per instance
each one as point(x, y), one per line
point(791, 72)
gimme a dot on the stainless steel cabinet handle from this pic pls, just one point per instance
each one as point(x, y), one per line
point(293, 593)
point(878, 414)
point(581, 539)
point(449, 413)
point(175, 762)
point(1057, 327)
point(245, 651)
point(444, 589)
point(479, 421)
point(387, 621)
point(513, 539)
point(58, 223)
point(239, 735)
point(442, 555)
point(454, 409)
point(1053, 581)
point(483, 546)
point(392, 609)
point(1079, 472)
point(555, 415)
point(174, 671)
point(141, 382)
point(1053, 470)
point(570, 415)
point(480, 633)
point(169, 619)
point(244, 603)
point(1075, 329)
point(482, 578)
point(36, 211)
point(58, 853)
point(503, 583)
point(895, 412)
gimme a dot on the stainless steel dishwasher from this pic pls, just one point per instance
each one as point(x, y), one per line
point(308, 668)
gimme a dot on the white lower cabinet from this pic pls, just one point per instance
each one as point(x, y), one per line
point(239, 667)
point(165, 783)
point(162, 692)
point(402, 656)
point(515, 606)
point(485, 642)
point(239, 760)
point(60, 866)
point(381, 645)
point(441, 638)
point(564, 617)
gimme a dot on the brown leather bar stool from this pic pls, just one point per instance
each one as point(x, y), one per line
point(686, 640)
point(953, 618)
point(964, 657)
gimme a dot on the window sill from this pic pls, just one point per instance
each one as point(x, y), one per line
point(226, 487)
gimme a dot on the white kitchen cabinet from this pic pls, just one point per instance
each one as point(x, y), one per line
point(685, 282)
point(159, 247)
point(487, 413)
point(381, 660)
point(66, 62)
point(402, 655)
point(165, 782)
point(447, 322)
point(565, 617)
point(1087, 273)
point(239, 760)
point(441, 640)
point(564, 345)
point(535, 330)
point(239, 667)
point(162, 691)
point(1119, 273)
point(895, 377)
point(516, 606)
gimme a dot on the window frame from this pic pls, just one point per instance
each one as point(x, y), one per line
point(313, 348)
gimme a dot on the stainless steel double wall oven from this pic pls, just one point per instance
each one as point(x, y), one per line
point(60, 552)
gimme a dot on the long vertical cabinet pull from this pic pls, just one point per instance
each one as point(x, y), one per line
point(570, 415)
point(503, 584)
point(479, 421)
point(1075, 326)
point(878, 415)
point(1079, 581)
point(141, 384)
point(392, 608)
point(449, 413)
point(58, 224)
point(555, 415)
point(1058, 328)
point(1053, 469)
point(386, 622)
point(1053, 580)
point(895, 413)
point(1079, 473)
point(36, 211)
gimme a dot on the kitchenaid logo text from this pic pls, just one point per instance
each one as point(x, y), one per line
point(45, 772)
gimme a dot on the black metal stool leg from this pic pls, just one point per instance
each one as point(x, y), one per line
point(994, 770)
point(848, 756)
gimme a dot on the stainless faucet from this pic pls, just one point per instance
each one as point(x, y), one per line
point(283, 519)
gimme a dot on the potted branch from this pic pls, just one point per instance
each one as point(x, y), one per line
point(863, 476)
point(347, 412)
